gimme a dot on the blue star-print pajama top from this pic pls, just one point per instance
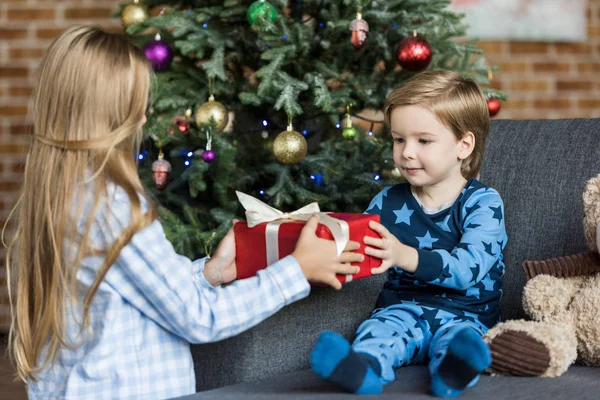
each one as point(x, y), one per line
point(457, 284)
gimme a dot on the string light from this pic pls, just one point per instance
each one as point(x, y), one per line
point(376, 177)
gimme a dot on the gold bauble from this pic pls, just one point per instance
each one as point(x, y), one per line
point(213, 109)
point(134, 13)
point(290, 147)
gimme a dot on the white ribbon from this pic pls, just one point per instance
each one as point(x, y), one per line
point(258, 212)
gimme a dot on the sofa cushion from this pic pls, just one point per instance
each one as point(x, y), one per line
point(581, 383)
point(540, 169)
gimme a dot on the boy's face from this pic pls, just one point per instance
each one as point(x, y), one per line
point(425, 151)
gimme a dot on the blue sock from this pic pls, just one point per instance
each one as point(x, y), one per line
point(333, 359)
point(467, 357)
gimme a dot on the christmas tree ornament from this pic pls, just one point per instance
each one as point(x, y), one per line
point(290, 147)
point(160, 171)
point(134, 13)
point(359, 28)
point(493, 106)
point(414, 53)
point(182, 122)
point(212, 109)
point(349, 131)
point(208, 155)
point(159, 53)
point(261, 9)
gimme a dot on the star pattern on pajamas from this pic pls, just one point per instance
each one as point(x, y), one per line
point(460, 261)
point(403, 215)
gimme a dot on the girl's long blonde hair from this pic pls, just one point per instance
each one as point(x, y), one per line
point(88, 107)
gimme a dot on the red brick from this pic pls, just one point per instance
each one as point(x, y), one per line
point(20, 91)
point(573, 48)
point(18, 167)
point(13, 148)
point(24, 52)
point(4, 320)
point(12, 111)
point(511, 67)
point(511, 104)
point(588, 67)
point(14, 72)
point(574, 85)
point(29, 14)
point(490, 47)
point(593, 30)
point(550, 67)
point(529, 85)
point(50, 33)
point(8, 33)
point(9, 187)
point(589, 103)
point(552, 103)
point(496, 84)
point(20, 129)
point(88, 13)
point(528, 47)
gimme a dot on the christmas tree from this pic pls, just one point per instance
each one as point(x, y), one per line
point(266, 97)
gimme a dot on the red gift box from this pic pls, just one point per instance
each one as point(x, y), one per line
point(251, 243)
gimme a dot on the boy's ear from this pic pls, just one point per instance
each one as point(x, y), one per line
point(467, 145)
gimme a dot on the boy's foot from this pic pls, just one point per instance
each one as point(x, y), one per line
point(333, 359)
point(467, 357)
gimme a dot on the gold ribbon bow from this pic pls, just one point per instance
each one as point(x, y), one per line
point(258, 212)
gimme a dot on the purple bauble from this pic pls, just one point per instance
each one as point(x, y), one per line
point(209, 156)
point(159, 54)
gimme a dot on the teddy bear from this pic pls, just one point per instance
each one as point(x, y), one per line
point(562, 299)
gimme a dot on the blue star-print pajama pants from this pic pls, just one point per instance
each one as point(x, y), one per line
point(410, 333)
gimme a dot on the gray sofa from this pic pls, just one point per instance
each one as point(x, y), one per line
point(540, 168)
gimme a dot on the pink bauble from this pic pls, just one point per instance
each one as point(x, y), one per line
point(159, 54)
point(209, 156)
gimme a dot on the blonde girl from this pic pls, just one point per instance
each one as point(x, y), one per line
point(102, 306)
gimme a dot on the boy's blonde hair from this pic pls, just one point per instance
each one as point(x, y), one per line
point(88, 107)
point(456, 101)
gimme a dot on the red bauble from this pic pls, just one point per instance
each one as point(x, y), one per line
point(493, 106)
point(182, 122)
point(414, 53)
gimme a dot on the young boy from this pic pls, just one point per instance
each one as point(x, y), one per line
point(442, 236)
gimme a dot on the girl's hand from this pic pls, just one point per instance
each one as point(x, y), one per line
point(318, 257)
point(390, 250)
point(221, 268)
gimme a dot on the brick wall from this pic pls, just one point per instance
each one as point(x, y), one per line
point(543, 80)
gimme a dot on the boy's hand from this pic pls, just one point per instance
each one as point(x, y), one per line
point(318, 257)
point(390, 250)
point(221, 268)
